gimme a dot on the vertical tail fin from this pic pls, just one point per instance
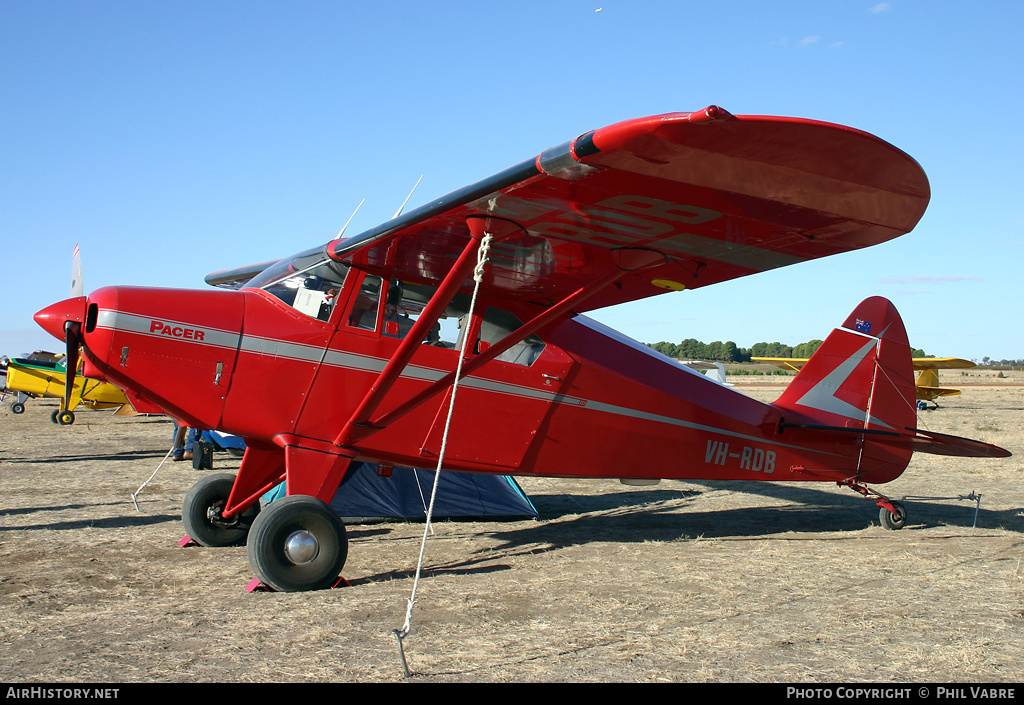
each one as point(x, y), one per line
point(861, 377)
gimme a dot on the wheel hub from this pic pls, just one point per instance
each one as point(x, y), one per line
point(301, 547)
point(215, 517)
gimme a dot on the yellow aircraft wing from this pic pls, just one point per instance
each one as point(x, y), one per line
point(927, 383)
point(787, 363)
point(941, 363)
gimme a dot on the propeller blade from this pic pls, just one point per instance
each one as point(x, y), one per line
point(72, 336)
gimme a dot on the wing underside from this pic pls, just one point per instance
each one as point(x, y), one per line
point(718, 196)
point(238, 277)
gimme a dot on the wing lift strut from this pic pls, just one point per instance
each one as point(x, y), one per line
point(360, 425)
point(316, 467)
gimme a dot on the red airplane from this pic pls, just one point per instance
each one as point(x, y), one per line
point(368, 333)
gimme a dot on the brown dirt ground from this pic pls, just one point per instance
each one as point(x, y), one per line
point(685, 581)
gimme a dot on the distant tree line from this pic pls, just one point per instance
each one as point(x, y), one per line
point(693, 349)
point(992, 362)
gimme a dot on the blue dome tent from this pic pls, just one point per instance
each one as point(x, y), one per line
point(367, 495)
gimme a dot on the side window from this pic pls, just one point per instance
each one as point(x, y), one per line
point(404, 305)
point(497, 324)
point(366, 304)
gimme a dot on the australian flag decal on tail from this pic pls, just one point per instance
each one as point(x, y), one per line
point(863, 326)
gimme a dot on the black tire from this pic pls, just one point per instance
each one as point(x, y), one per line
point(17, 408)
point(200, 513)
point(891, 521)
point(65, 418)
point(289, 519)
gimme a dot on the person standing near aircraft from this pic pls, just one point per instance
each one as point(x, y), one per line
point(183, 438)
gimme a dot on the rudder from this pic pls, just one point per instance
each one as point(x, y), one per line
point(861, 377)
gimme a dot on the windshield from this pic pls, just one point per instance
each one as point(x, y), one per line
point(309, 281)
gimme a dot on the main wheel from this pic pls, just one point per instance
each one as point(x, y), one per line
point(17, 408)
point(297, 543)
point(53, 416)
point(66, 418)
point(201, 513)
point(893, 521)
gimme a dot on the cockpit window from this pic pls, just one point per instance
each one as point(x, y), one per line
point(367, 304)
point(405, 302)
point(309, 282)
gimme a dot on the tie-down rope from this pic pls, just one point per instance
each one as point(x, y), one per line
point(478, 275)
point(179, 441)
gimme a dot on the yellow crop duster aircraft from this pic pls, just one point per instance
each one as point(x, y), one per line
point(927, 382)
point(43, 378)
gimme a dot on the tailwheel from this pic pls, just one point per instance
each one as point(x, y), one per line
point(65, 418)
point(892, 520)
point(17, 408)
point(297, 543)
point(201, 513)
point(891, 514)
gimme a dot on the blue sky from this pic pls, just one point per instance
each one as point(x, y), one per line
point(173, 139)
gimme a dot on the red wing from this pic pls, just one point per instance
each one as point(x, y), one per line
point(720, 196)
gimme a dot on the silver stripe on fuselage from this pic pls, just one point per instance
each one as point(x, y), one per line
point(164, 329)
point(221, 339)
point(271, 347)
point(369, 364)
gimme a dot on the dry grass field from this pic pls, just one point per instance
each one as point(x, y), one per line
point(683, 582)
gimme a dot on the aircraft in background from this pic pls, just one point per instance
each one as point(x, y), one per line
point(22, 397)
point(711, 370)
point(49, 379)
point(926, 386)
point(453, 333)
point(927, 383)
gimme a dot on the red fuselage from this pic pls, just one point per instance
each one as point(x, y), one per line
point(592, 403)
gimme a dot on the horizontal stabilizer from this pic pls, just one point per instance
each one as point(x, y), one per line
point(943, 444)
point(932, 392)
point(916, 439)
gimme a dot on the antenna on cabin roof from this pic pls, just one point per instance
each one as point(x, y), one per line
point(402, 208)
point(342, 231)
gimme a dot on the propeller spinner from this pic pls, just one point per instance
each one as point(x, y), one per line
point(63, 320)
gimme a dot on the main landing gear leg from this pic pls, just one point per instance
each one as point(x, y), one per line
point(299, 543)
point(891, 514)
